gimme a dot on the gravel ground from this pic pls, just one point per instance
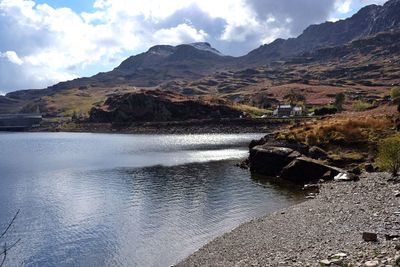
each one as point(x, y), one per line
point(312, 231)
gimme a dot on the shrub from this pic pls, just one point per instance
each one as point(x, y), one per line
point(389, 154)
point(339, 101)
point(395, 92)
point(325, 111)
point(362, 106)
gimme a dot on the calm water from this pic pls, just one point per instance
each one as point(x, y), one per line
point(125, 200)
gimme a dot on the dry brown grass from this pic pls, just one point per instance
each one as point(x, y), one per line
point(339, 131)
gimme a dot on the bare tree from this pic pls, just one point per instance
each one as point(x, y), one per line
point(5, 247)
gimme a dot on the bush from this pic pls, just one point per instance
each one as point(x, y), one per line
point(361, 105)
point(389, 155)
point(339, 101)
point(395, 92)
point(325, 111)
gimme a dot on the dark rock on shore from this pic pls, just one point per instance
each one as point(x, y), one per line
point(269, 161)
point(269, 140)
point(304, 170)
point(288, 161)
point(317, 153)
point(369, 168)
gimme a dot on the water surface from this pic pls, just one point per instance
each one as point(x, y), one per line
point(125, 200)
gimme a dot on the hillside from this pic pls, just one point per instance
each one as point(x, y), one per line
point(358, 56)
point(159, 64)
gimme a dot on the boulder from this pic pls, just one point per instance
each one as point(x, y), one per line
point(317, 153)
point(304, 170)
point(370, 237)
point(258, 142)
point(269, 160)
point(369, 168)
point(356, 170)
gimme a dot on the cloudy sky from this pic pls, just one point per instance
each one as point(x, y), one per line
point(46, 41)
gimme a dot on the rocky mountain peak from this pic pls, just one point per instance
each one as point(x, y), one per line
point(205, 47)
point(162, 50)
point(367, 22)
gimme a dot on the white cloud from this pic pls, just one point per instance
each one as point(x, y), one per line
point(42, 45)
point(182, 33)
point(12, 57)
point(343, 6)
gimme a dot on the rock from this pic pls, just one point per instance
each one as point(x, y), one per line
point(397, 193)
point(344, 177)
point(336, 262)
point(311, 188)
point(325, 262)
point(258, 142)
point(397, 260)
point(369, 237)
point(327, 176)
point(244, 164)
point(304, 170)
point(269, 161)
point(369, 168)
point(371, 263)
point(391, 236)
point(317, 153)
point(339, 255)
point(156, 105)
point(356, 171)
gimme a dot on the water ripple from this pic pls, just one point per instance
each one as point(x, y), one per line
point(123, 200)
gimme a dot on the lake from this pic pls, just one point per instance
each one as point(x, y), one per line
point(125, 200)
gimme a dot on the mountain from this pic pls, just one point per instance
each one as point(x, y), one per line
point(159, 64)
point(163, 63)
point(369, 21)
point(360, 51)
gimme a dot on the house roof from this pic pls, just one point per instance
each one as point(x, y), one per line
point(285, 106)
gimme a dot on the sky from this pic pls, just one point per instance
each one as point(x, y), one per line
point(43, 42)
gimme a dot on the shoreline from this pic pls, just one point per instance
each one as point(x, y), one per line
point(245, 125)
point(310, 232)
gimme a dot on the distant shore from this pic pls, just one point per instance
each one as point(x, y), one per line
point(245, 125)
point(318, 232)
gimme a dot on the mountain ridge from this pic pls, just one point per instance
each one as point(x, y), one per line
point(368, 21)
point(162, 66)
point(162, 63)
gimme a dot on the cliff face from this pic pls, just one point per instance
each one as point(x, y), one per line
point(158, 106)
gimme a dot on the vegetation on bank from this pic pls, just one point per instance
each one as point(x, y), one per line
point(363, 105)
point(348, 140)
point(338, 131)
point(253, 112)
point(389, 154)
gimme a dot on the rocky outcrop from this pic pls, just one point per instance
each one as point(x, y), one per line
point(317, 153)
point(305, 170)
point(291, 165)
point(269, 161)
point(158, 106)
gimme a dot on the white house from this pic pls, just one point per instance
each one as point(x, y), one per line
point(288, 111)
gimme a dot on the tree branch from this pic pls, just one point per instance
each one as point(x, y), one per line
point(10, 224)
